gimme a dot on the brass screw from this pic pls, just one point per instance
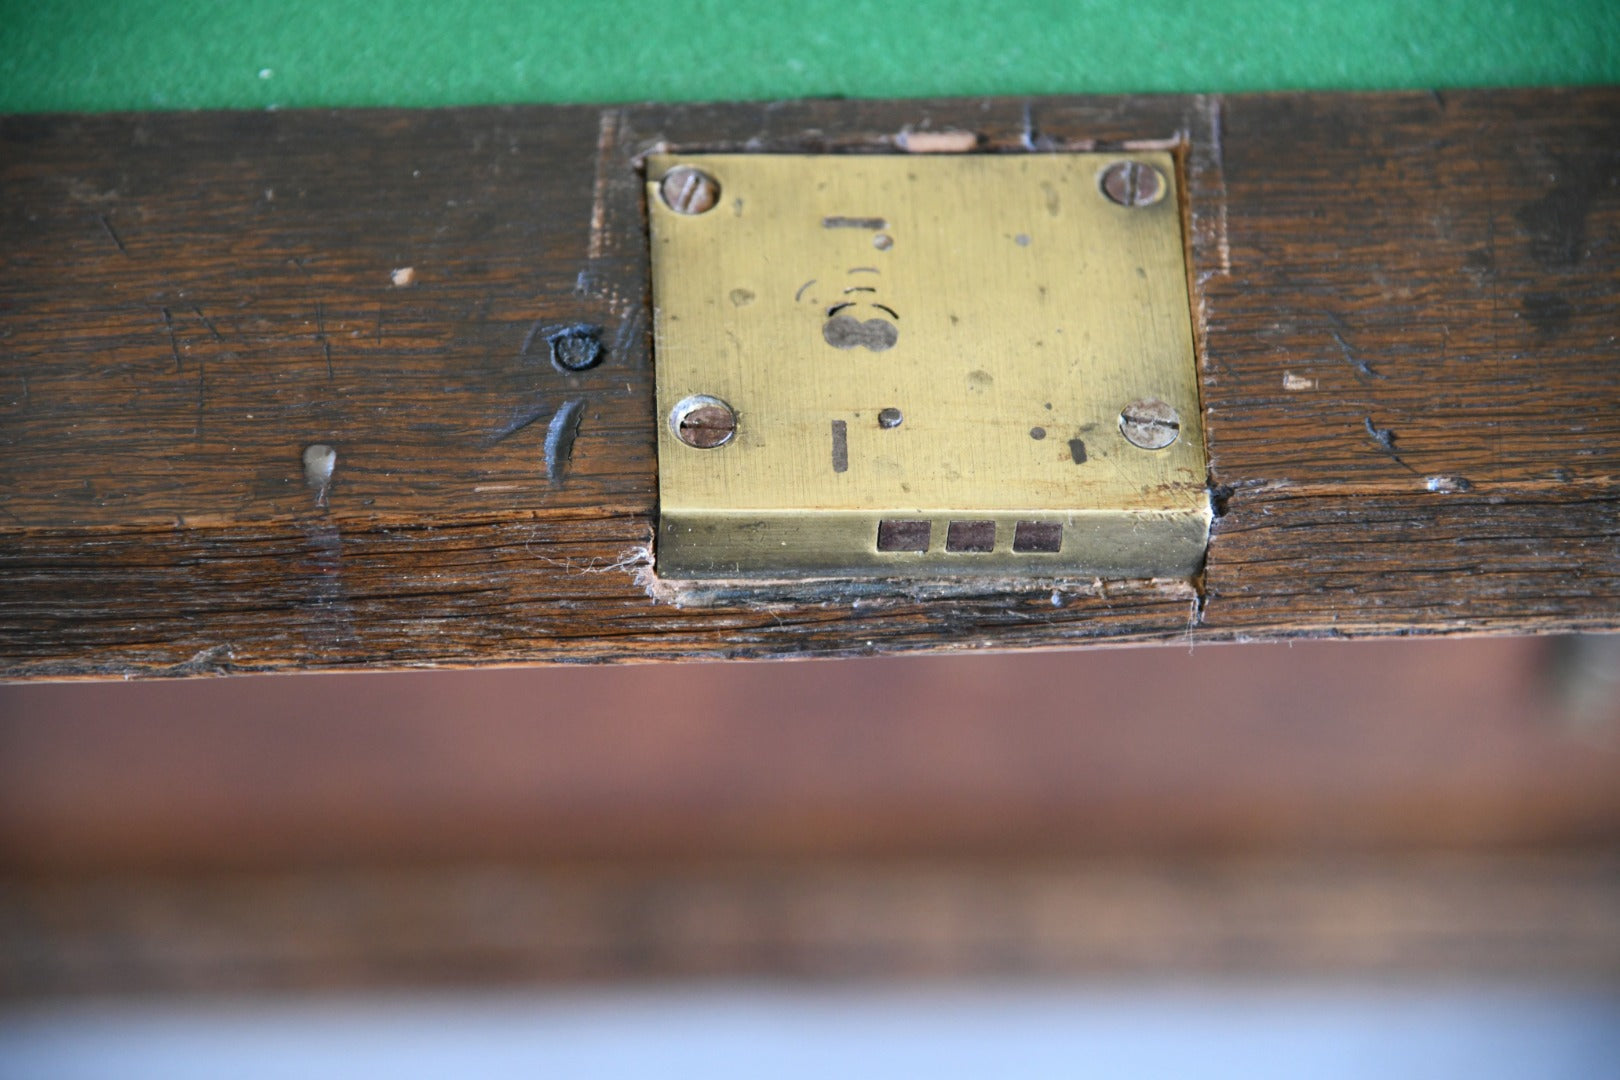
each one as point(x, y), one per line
point(1149, 424)
point(1131, 183)
point(704, 422)
point(689, 191)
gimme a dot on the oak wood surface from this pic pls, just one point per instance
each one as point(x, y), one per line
point(1404, 305)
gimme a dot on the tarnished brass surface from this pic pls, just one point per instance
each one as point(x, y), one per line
point(909, 338)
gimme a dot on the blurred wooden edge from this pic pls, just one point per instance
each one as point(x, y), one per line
point(1509, 916)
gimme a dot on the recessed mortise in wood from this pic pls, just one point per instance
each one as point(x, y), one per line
point(1013, 306)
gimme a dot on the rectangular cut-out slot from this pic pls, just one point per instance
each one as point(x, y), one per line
point(1034, 536)
point(971, 536)
point(896, 535)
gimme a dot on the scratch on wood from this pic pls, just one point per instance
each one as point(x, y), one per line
point(105, 224)
point(1344, 346)
point(206, 321)
point(320, 335)
point(1032, 138)
point(1222, 245)
point(560, 434)
point(631, 324)
point(606, 133)
point(174, 346)
point(332, 616)
point(517, 424)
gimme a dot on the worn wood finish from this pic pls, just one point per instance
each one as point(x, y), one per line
point(1404, 306)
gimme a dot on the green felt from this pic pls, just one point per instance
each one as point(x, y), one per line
point(92, 55)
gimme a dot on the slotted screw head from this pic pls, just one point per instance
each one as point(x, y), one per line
point(1149, 424)
point(689, 191)
point(703, 422)
point(1132, 183)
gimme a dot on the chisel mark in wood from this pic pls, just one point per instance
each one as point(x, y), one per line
point(1382, 436)
point(214, 660)
point(105, 224)
point(174, 346)
point(1448, 485)
point(1385, 438)
point(937, 142)
point(320, 462)
point(560, 434)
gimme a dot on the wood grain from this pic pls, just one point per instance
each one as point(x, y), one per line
point(1404, 306)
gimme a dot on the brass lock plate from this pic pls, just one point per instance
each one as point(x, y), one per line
point(924, 367)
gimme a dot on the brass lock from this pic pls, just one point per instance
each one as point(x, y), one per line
point(923, 367)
